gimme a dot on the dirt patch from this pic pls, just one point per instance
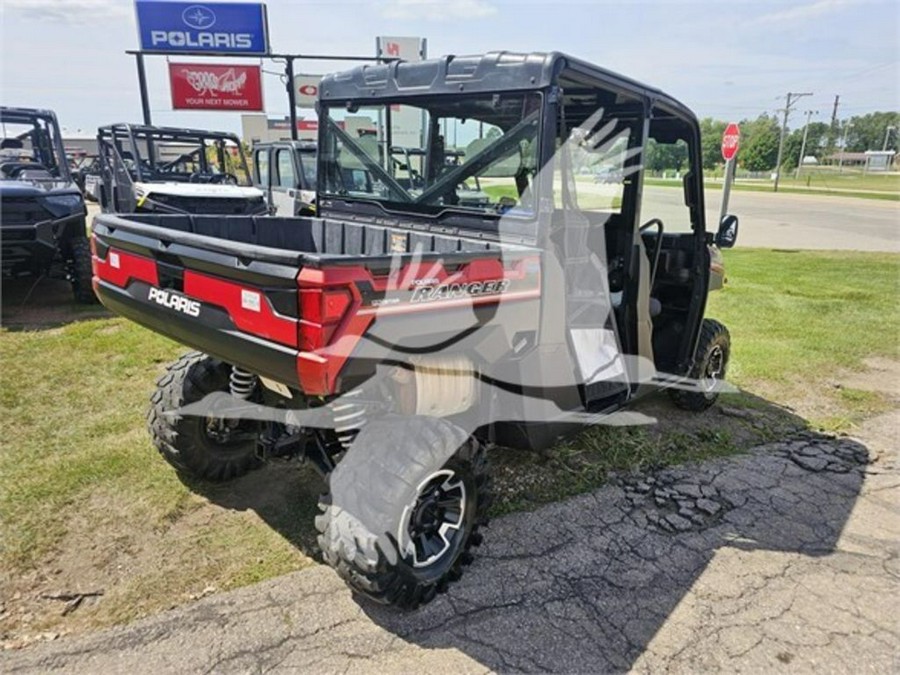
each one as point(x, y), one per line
point(881, 375)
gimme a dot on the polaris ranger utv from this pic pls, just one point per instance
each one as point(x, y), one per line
point(167, 170)
point(42, 212)
point(394, 337)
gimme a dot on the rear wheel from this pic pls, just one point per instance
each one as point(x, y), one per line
point(404, 508)
point(208, 448)
point(709, 369)
point(79, 268)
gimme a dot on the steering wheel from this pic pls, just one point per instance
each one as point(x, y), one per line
point(196, 177)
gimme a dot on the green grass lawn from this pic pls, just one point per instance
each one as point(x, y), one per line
point(800, 314)
point(78, 476)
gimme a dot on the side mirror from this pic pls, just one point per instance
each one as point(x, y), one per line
point(727, 234)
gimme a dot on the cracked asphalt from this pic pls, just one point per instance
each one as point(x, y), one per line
point(783, 557)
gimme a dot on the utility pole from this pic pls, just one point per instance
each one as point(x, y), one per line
point(790, 100)
point(887, 135)
point(809, 114)
point(837, 99)
point(847, 126)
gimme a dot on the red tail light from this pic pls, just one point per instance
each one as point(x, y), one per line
point(321, 311)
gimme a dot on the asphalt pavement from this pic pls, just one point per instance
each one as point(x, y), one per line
point(786, 557)
point(789, 221)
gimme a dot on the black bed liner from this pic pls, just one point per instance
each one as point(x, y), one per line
point(255, 241)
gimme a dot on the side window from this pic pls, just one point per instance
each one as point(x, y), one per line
point(262, 167)
point(667, 162)
point(600, 173)
point(285, 164)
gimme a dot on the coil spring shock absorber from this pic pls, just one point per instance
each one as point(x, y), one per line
point(241, 383)
point(349, 417)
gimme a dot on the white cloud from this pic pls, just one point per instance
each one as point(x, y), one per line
point(807, 11)
point(437, 10)
point(70, 11)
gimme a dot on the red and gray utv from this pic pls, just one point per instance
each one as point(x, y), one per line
point(407, 327)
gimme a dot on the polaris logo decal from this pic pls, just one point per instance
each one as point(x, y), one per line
point(454, 291)
point(174, 301)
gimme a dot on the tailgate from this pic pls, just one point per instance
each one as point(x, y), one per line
point(233, 300)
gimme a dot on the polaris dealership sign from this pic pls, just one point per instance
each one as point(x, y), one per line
point(211, 27)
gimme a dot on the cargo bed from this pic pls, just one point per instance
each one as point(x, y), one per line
point(268, 293)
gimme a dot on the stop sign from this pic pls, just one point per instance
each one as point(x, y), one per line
point(730, 141)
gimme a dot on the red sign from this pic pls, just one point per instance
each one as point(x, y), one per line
point(730, 141)
point(200, 86)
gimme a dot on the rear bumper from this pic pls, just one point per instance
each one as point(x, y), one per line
point(211, 331)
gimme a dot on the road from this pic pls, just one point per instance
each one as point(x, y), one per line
point(778, 220)
point(784, 557)
point(791, 221)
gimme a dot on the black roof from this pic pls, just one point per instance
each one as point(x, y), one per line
point(491, 72)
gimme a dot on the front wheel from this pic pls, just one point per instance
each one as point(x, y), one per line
point(710, 365)
point(208, 448)
point(404, 508)
point(79, 264)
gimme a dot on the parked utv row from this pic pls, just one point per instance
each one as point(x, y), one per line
point(453, 287)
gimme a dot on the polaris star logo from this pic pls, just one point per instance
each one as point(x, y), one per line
point(472, 289)
point(198, 17)
point(174, 301)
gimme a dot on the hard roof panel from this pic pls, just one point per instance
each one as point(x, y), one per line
point(494, 71)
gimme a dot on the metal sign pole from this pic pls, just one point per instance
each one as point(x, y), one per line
point(142, 83)
point(726, 189)
point(292, 96)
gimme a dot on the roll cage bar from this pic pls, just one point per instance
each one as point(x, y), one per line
point(46, 142)
point(117, 135)
point(572, 90)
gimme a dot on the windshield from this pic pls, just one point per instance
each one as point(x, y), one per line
point(33, 140)
point(184, 158)
point(475, 153)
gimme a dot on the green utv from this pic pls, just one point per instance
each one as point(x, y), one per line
point(465, 283)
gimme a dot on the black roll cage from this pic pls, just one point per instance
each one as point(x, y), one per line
point(116, 136)
point(50, 150)
point(504, 72)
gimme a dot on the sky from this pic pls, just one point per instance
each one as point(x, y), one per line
point(729, 60)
